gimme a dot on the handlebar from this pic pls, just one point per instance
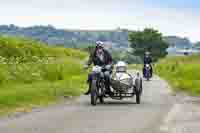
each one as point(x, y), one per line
point(103, 67)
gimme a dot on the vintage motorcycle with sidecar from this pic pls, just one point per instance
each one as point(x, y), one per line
point(122, 84)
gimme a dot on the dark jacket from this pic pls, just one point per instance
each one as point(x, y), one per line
point(147, 60)
point(96, 61)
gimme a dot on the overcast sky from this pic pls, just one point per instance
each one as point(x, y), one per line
point(173, 17)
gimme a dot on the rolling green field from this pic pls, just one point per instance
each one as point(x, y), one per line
point(33, 74)
point(135, 66)
point(183, 73)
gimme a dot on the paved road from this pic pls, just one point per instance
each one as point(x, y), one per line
point(112, 117)
point(184, 117)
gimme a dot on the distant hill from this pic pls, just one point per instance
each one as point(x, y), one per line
point(67, 38)
point(81, 38)
point(197, 45)
point(178, 42)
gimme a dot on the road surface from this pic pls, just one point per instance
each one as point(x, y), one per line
point(112, 117)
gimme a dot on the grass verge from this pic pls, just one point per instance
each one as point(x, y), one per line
point(135, 66)
point(182, 73)
point(33, 74)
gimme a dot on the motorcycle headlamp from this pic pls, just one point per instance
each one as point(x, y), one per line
point(96, 69)
point(147, 65)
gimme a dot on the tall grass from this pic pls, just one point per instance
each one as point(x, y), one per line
point(181, 72)
point(32, 74)
point(15, 47)
point(135, 66)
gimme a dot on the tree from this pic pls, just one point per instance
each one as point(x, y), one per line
point(148, 39)
point(102, 38)
point(197, 45)
point(125, 56)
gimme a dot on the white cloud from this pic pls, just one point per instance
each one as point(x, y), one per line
point(104, 14)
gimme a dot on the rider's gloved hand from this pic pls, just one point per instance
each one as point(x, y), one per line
point(108, 67)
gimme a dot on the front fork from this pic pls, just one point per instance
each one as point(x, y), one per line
point(98, 77)
point(148, 73)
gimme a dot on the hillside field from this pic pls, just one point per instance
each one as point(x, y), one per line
point(33, 74)
point(181, 72)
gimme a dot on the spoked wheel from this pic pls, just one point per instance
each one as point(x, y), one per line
point(101, 99)
point(148, 76)
point(101, 92)
point(138, 90)
point(94, 93)
point(141, 87)
point(138, 100)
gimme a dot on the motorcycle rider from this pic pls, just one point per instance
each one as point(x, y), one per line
point(100, 57)
point(147, 60)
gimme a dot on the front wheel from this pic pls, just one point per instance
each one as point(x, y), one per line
point(138, 87)
point(149, 75)
point(138, 98)
point(93, 92)
point(101, 99)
